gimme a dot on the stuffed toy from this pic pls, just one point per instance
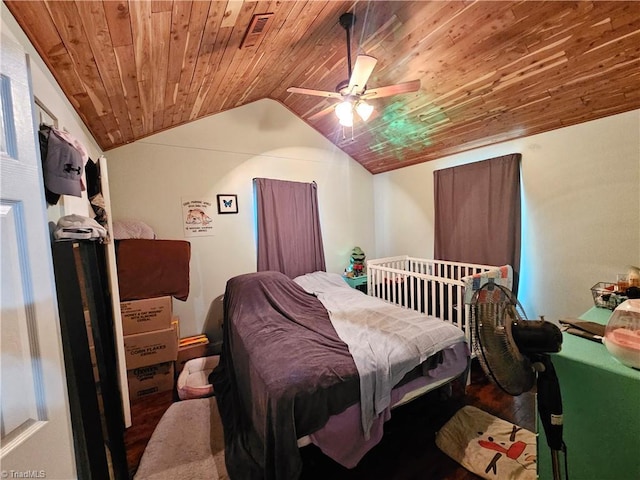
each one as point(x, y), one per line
point(356, 263)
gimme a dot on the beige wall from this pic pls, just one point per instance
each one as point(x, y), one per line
point(576, 231)
point(221, 154)
point(580, 211)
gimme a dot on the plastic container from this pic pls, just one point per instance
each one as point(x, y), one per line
point(606, 296)
point(622, 333)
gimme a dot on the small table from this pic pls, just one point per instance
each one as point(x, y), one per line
point(359, 283)
point(601, 410)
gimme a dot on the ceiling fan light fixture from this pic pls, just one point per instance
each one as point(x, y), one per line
point(364, 110)
point(353, 91)
point(344, 112)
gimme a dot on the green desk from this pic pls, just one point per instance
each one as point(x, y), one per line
point(359, 283)
point(601, 403)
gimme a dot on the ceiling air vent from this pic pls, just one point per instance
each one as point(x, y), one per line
point(258, 28)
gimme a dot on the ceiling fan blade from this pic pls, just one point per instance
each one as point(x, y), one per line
point(322, 112)
point(406, 87)
point(317, 93)
point(361, 72)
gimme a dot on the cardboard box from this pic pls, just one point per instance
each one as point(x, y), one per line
point(146, 315)
point(149, 348)
point(151, 379)
point(175, 322)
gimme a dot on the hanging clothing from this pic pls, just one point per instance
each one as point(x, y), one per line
point(63, 159)
point(94, 192)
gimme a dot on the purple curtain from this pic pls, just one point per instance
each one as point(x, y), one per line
point(477, 213)
point(289, 236)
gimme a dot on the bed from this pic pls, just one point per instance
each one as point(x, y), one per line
point(310, 360)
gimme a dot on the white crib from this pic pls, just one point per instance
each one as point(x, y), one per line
point(433, 287)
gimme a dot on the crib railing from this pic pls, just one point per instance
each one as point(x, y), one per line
point(433, 287)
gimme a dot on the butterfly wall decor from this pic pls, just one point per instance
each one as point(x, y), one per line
point(227, 203)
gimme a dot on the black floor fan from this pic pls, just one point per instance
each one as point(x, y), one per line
point(514, 352)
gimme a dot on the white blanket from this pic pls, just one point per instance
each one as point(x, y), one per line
point(386, 341)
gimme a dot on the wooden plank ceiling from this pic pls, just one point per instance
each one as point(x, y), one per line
point(489, 71)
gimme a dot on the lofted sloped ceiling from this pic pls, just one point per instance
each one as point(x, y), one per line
point(489, 71)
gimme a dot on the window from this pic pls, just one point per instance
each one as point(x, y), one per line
point(477, 213)
point(289, 236)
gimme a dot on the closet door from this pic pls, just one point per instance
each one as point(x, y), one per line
point(88, 344)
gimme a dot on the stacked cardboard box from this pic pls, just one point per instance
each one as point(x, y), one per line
point(150, 379)
point(150, 343)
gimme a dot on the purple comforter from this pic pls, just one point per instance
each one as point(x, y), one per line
point(283, 372)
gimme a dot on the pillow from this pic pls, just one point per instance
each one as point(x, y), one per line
point(123, 229)
point(489, 446)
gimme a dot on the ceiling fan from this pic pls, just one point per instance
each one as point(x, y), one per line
point(353, 92)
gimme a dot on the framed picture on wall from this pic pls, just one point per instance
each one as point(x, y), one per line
point(196, 216)
point(227, 203)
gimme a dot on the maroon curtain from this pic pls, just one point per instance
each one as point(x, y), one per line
point(289, 236)
point(477, 213)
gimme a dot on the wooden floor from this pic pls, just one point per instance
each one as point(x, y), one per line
point(407, 450)
point(145, 415)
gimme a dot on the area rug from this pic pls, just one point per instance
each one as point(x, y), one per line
point(186, 444)
point(488, 446)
